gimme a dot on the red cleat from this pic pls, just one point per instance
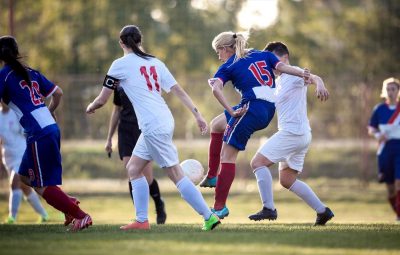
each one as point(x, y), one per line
point(137, 225)
point(79, 224)
point(69, 218)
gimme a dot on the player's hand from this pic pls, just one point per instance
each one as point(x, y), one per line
point(240, 111)
point(202, 124)
point(90, 109)
point(382, 138)
point(321, 92)
point(108, 147)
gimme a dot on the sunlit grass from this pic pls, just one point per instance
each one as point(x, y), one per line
point(363, 223)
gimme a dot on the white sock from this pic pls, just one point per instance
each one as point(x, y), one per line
point(14, 202)
point(192, 195)
point(140, 193)
point(304, 191)
point(34, 200)
point(264, 182)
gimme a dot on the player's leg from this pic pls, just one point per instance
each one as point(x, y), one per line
point(386, 165)
point(391, 195)
point(33, 199)
point(192, 196)
point(260, 165)
point(41, 168)
point(397, 184)
point(275, 149)
point(165, 154)
point(288, 179)
point(139, 185)
point(217, 127)
point(225, 179)
point(155, 194)
point(14, 199)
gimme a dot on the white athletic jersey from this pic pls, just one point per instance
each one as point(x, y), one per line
point(12, 138)
point(142, 80)
point(291, 104)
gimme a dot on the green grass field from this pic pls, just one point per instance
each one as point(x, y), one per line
point(363, 224)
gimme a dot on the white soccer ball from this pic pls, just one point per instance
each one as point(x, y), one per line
point(193, 170)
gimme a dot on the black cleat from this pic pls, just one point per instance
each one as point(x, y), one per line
point(264, 214)
point(161, 214)
point(323, 218)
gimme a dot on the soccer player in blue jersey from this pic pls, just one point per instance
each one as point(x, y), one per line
point(24, 90)
point(384, 125)
point(251, 73)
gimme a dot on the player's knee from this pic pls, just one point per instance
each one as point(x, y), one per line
point(259, 161)
point(255, 163)
point(286, 182)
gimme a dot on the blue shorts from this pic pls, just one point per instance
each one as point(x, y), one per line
point(41, 162)
point(389, 161)
point(257, 117)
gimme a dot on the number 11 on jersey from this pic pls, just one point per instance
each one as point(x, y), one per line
point(153, 73)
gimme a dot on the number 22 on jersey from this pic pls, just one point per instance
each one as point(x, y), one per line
point(153, 73)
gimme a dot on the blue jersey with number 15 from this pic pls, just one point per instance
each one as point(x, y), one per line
point(252, 75)
point(28, 101)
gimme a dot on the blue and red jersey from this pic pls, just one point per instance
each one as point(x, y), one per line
point(28, 101)
point(386, 119)
point(252, 76)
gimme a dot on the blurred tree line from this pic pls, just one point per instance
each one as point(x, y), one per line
point(352, 44)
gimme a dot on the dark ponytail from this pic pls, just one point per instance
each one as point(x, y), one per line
point(10, 55)
point(131, 36)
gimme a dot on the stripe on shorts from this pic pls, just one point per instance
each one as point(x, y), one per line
point(38, 170)
point(235, 125)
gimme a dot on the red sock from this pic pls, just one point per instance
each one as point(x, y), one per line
point(224, 182)
point(214, 154)
point(55, 197)
point(392, 201)
point(398, 204)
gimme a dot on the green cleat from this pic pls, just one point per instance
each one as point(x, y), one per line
point(209, 182)
point(211, 223)
point(10, 220)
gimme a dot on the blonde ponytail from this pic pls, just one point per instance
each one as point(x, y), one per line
point(237, 41)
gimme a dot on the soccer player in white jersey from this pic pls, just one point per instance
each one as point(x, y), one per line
point(143, 76)
point(12, 146)
point(290, 144)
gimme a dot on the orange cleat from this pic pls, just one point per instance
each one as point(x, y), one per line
point(137, 225)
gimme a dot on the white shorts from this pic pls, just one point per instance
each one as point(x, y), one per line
point(157, 147)
point(287, 149)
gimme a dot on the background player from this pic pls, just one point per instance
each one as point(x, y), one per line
point(142, 76)
point(290, 144)
point(12, 147)
point(251, 74)
point(23, 90)
point(384, 125)
point(124, 117)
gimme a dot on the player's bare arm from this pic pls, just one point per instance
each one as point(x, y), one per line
point(55, 101)
point(187, 101)
point(320, 89)
point(114, 121)
point(100, 100)
point(217, 86)
point(381, 137)
point(284, 68)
